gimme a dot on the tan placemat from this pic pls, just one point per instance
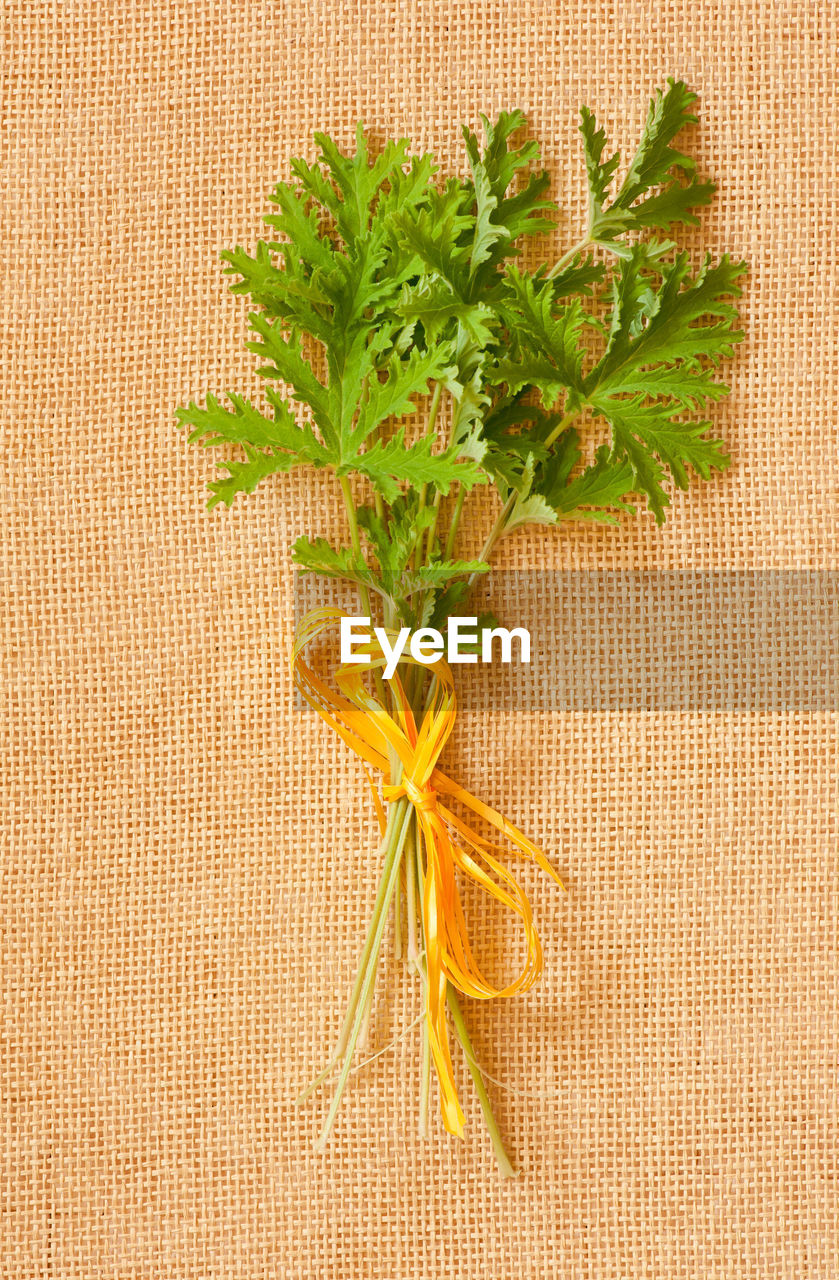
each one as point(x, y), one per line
point(187, 866)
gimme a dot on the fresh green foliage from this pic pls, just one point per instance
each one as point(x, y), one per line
point(388, 293)
point(652, 194)
point(411, 350)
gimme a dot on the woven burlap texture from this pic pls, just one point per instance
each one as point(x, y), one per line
point(189, 857)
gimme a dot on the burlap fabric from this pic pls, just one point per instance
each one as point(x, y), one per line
point(188, 865)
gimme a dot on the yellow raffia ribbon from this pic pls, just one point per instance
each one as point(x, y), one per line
point(447, 843)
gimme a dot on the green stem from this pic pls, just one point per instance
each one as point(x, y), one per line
point(504, 1162)
point(398, 950)
point(453, 526)
point(568, 257)
point(352, 1007)
point(433, 410)
point(496, 531)
point(355, 537)
point(565, 422)
point(432, 528)
point(499, 528)
point(390, 879)
point(413, 951)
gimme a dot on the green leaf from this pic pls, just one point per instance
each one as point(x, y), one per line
point(243, 477)
point(438, 573)
point(500, 163)
point(470, 396)
point(437, 234)
point(675, 318)
point(532, 510)
point(287, 362)
point(643, 432)
point(486, 232)
point(349, 185)
point(517, 213)
point(577, 278)
point(318, 556)
point(547, 352)
point(383, 280)
point(301, 222)
point(270, 444)
point(600, 172)
point(432, 302)
point(394, 395)
point(394, 536)
point(663, 345)
point(598, 493)
point(656, 164)
point(390, 464)
point(669, 113)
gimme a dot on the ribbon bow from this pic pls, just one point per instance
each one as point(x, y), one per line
point(395, 744)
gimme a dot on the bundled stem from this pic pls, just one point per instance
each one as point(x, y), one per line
point(380, 284)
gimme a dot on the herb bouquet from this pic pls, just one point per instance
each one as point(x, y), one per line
point(572, 389)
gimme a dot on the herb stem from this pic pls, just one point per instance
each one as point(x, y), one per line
point(364, 962)
point(390, 878)
point(355, 537)
point(413, 952)
point(504, 1162)
point(495, 532)
point(425, 1040)
point(499, 528)
point(565, 422)
point(432, 528)
point(568, 257)
point(433, 410)
point(453, 525)
point(398, 950)
point(434, 407)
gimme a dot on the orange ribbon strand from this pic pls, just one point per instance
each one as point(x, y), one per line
point(447, 843)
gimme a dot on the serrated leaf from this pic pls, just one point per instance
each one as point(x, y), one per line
point(243, 477)
point(671, 332)
point(394, 536)
point(644, 432)
point(390, 464)
point(499, 161)
point(438, 573)
point(486, 231)
point(435, 234)
point(531, 510)
point(548, 349)
point(600, 172)
point(271, 445)
point(470, 398)
point(432, 302)
point(288, 363)
point(598, 493)
point(521, 212)
point(578, 277)
point(669, 112)
point(316, 555)
point(300, 221)
point(655, 164)
point(394, 395)
point(349, 185)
